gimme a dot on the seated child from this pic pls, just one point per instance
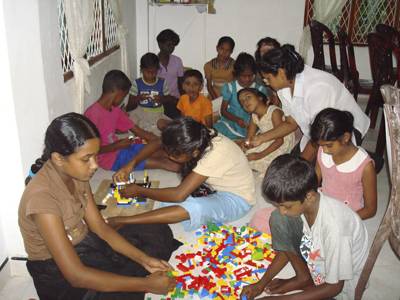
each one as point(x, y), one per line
point(109, 119)
point(264, 117)
point(234, 119)
point(148, 94)
point(219, 71)
point(192, 103)
point(171, 69)
point(346, 171)
point(311, 231)
point(217, 183)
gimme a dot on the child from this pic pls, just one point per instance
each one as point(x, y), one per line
point(149, 92)
point(263, 118)
point(219, 70)
point(109, 119)
point(210, 162)
point(171, 68)
point(72, 252)
point(192, 103)
point(346, 171)
point(333, 241)
point(234, 120)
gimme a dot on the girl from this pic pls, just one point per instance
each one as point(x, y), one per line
point(304, 92)
point(234, 120)
point(264, 45)
point(263, 118)
point(217, 183)
point(72, 252)
point(219, 71)
point(346, 171)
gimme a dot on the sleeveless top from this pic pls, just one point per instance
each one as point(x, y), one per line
point(344, 181)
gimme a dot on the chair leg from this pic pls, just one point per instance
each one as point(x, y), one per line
point(380, 237)
point(381, 141)
point(373, 116)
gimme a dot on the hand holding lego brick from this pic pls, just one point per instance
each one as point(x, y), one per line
point(160, 283)
point(152, 264)
point(251, 291)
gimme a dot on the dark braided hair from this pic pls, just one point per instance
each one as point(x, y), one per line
point(185, 135)
point(64, 135)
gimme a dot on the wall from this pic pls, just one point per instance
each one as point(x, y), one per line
point(33, 93)
point(246, 21)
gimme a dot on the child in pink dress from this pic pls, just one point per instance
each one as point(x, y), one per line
point(345, 171)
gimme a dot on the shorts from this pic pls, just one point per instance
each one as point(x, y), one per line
point(217, 207)
point(125, 155)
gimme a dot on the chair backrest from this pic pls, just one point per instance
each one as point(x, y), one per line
point(348, 69)
point(396, 52)
point(390, 33)
point(380, 59)
point(318, 31)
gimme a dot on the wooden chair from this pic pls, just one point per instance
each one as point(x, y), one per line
point(348, 70)
point(389, 228)
point(390, 33)
point(318, 31)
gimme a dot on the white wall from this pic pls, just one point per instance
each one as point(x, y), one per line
point(245, 21)
point(33, 93)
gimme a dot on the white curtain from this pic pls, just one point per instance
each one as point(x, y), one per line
point(325, 11)
point(80, 23)
point(121, 34)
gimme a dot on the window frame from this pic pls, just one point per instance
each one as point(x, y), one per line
point(350, 18)
point(94, 59)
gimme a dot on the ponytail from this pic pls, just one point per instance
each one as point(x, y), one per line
point(64, 135)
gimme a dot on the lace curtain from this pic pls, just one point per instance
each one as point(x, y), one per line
point(121, 34)
point(79, 22)
point(324, 11)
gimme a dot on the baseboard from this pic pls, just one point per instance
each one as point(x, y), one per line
point(5, 273)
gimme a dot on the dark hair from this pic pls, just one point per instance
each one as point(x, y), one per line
point(168, 35)
point(64, 135)
point(193, 73)
point(185, 135)
point(330, 124)
point(149, 60)
point(265, 41)
point(243, 62)
point(289, 178)
point(227, 40)
point(284, 57)
point(255, 92)
point(116, 80)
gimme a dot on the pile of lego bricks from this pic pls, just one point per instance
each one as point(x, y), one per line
point(225, 259)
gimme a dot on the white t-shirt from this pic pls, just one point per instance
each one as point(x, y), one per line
point(227, 169)
point(315, 90)
point(336, 246)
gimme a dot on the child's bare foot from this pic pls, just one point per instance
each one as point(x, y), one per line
point(274, 286)
point(282, 286)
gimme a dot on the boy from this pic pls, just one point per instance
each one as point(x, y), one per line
point(332, 241)
point(148, 94)
point(108, 117)
point(192, 103)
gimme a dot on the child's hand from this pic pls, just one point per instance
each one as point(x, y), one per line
point(251, 291)
point(124, 143)
point(153, 264)
point(242, 123)
point(160, 283)
point(255, 141)
point(122, 175)
point(130, 191)
point(114, 223)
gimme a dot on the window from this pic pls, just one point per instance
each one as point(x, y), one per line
point(103, 40)
point(359, 17)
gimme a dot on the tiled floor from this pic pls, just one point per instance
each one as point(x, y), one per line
point(384, 280)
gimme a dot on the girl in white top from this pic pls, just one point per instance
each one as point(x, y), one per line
point(264, 117)
point(304, 92)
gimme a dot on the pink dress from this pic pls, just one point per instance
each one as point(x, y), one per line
point(344, 181)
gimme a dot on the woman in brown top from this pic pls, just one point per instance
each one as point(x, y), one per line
point(72, 252)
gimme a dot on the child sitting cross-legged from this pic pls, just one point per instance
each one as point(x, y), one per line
point(109, 119)
point(323, 239)
point(148, 95)
point(192, 104)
